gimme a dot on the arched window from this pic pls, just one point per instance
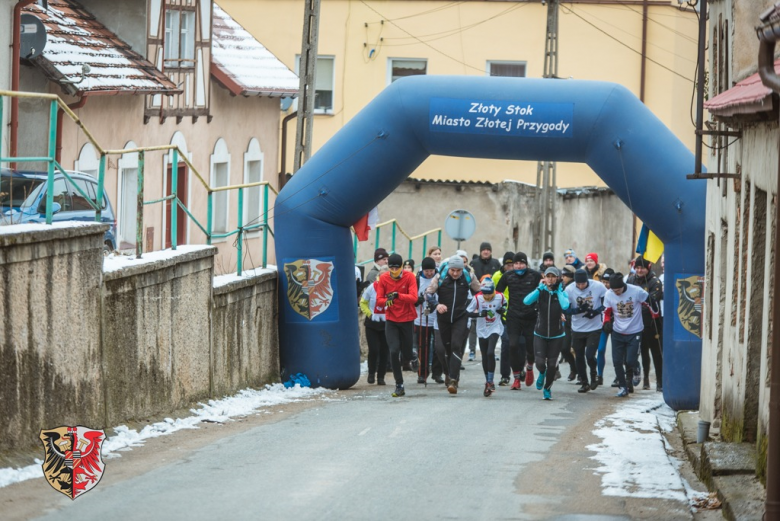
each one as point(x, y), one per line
point(88, 161)
point(253, 173)
point(127, 195)
point(220, 176)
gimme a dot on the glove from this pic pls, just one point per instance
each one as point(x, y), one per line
point(420, 300)
point(483, 313)
point(501, 310)
point(592, 314)
point(376, 318)
point(392, 295)
point(585, 306)
point(608, 327)
point(431, 308)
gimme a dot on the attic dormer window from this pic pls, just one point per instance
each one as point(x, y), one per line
point(179, 37)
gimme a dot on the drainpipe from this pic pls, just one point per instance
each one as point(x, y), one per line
point(60, 116)
point(768, 34)
point(283, 161)
point(17, 30)
point(702, 61)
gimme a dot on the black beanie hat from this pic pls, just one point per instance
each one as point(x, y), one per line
point(607, 274)
point(616, 280)
point(395, 261)
point(642, 262)
point(380, 254)
point(485, 246)
point(509, 257)
point(580, 275)
point(548, 255)
point(521, 257)
point(410, 263)
point(428, 264)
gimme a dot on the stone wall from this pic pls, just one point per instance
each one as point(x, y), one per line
point(587, 219)
point(81, 346)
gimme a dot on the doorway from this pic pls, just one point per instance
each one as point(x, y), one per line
point(181, 215)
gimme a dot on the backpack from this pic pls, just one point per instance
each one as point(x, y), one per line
point(444, 272)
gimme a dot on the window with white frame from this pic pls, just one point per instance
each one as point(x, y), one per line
point(402, 67)
point(220, 176)
point(324, 81)
point(179, 37)
point(253, 173)
point(506, 68)
point(88, 161)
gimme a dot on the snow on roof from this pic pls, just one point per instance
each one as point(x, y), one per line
point(243, 65)
point(75, 38)
point(746, 97)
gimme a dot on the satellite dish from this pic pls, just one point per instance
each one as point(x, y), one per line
point(33, 37)
point(286, 103)
point(460, 225)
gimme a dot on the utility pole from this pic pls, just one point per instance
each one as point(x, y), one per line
point(306, 70)
point(546, 182)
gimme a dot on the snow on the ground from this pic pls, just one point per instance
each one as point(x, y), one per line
point(633, 452)
point(221, 280)
point(244, 403)
point(117, 262)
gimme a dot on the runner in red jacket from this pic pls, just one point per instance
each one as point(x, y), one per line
point(396, 290)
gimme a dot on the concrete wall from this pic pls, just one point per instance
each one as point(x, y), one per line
point(84, 347)
point(127, 19)
point(245, 313)
point(156, 333)
point(50, 360)
point(586, 220)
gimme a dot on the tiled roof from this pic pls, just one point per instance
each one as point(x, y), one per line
point(243, 65)
point(75, 37)
point(746, 97)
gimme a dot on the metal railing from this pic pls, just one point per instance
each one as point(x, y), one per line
point(394, 231)
point(175, 202)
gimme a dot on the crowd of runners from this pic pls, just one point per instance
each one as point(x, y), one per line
point(428, 319)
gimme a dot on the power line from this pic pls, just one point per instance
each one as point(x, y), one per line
point(481, 70)
point(626, 46)
point(423, 13)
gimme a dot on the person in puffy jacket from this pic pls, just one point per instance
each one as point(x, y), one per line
point(549, 330)
point(396, 291)
point(454, 295)
point(520, 318)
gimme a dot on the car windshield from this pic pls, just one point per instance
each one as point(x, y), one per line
point(18, 191)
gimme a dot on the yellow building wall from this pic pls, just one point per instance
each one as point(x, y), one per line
point(596, 42)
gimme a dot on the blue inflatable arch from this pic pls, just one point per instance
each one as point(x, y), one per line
point(600, 124)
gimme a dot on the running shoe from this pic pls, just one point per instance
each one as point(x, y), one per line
point(622, 393)
point(599, 380)
point(637, 375)
point(547, 394)
point(471, 356)
point(492, 387)
point(380, 381)
point(488, 391)
point(420, 380)
point(615, 383)
point(572, 376)
point(515, 385)
point(438, 379)
point(399, 391)
point(594, 381)
point(453, 387)
point(540, 381)
point(584, 389)
point(503, 382)
point(646, 384)
point(529, 375)
point(370, 378)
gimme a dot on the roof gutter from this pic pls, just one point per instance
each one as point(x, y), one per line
point(768, 34)
point(15, 71)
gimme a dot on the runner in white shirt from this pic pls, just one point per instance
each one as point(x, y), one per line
point(486, 307)
point(587, 302)
point(623, 318)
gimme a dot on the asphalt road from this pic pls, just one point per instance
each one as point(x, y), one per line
point(361, 454)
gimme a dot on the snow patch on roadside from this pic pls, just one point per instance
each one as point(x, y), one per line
point(244, 403)
point(633, 452)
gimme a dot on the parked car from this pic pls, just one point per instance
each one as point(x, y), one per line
point(23, 200)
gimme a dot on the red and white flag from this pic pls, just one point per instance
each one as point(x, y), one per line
point(365, 224)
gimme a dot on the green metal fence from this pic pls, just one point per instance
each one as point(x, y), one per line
point(395, 228)
point(55, 102)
